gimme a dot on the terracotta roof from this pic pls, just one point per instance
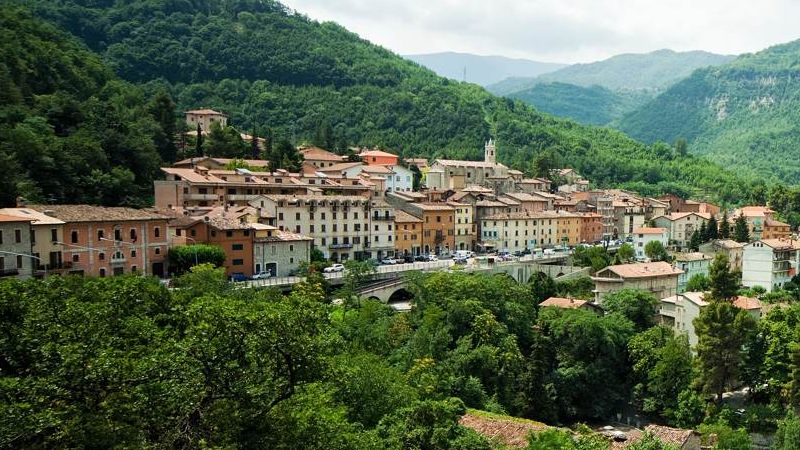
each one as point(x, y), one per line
point(318, 154)
point(668, 435)
point(205, 111)
point(377, 169)
point(775, 223)
point(692, 256)
point(478, 189)
point(284, 236)
point(89, 213)
point(747, 303)
point(508, 201)
point(524, 197)
point(643, 270)
point(753, 211)
point(404, 217)
point(728, 243)
point(341, 167)
point(458, 163)
point(434, 206)
point(560, 302)
point(416, 161)
point(377, 153)
point(7, 218)
point(696, 297)
point(649, 230)
point(511, 431)
point(36, 217)
point(191, 175)
point(533, 181)
point(781, 244)
point(678, 216)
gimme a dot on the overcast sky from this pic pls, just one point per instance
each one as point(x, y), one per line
point(562, 30)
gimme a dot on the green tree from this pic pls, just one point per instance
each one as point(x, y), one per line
point(255, 148)
point(722, 329)
point(636, 305)
point(690, 411)
point(788, 435)
point(595, 257)
point(224, 142)
point(656, 252)
point(183, 257)
point(712, 229)
point(696, 240)
point(741, 230)
point(625, 253)
point(727, 438)
point(698, 283)
point(724, 226)
point(722, 282)
point(162, 108)
point(681, 147)
point(198, 142)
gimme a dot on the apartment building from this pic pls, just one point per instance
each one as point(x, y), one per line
point(15, 247)
point(46, 233)
point(775, 229)
point(770, 263)
point(591, 227)
point(408, 234)
point(101, 241)
point(679, 312)
point(379, 158)
point(465, 229)
point(382, 230)
point(203, 187)
point(681, 226)
point(659, 278)
point(693, 263)
point(522, 231)
point(339, 224)
point(643, 236)
point(438, 226)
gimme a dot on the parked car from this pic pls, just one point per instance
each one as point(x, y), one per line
point(238, 276)
point(334, 268)
point(421, 258)
point(460, 260)
point(433, 258)
point(262, 275)
point(408, 259)
point(388, 261)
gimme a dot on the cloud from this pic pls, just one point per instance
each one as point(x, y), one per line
point(562, 30)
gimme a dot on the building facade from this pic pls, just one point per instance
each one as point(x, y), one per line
point(658, 278)
point(408, 234)
point(16, 247)
point(205, 118)
point(279, 252)
point(644, 236)
point(691, 264)
point(681, 226)
point(770, 263)
point(46, 233)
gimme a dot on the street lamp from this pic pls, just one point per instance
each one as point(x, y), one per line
point(28, 256)
point(195, 249)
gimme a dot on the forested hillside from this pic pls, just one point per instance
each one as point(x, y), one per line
point(271, 68)
point(593, 105)
point(742, 115)
point(70, 131)
point(646, 71)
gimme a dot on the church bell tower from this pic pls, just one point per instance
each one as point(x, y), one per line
point(490, 152)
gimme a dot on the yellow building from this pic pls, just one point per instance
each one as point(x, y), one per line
point(408, 229)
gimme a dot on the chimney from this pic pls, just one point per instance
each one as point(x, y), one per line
point(21, 202)
point(49, 212)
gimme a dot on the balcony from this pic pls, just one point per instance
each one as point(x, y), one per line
point(339, 246)
point(241, 197)
point(118, 259)
point(383, 218)
point(201, 197)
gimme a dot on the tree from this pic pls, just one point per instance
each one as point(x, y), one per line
point(741, 230)
point(625, 253)
point(712, 229)
point(224, 142)
point(255, 148)
point(724, 226)
point(788, 435)
point(722, 329)
point(698, 283)
point(690, 411)
point(162, 108)
point(722, 282)
point(636, 305)
point(198, 142)
point(595, 257)
point(727, 437)
point(417, 177)
point(184, 257)
point(696, 240)
point(703, 234)
point(656, 252)
point(681, 147)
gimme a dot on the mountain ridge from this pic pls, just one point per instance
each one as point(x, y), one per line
point(489, 68)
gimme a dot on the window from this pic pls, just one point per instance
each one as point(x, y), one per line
point(101, 256)
point(229, 233)
point(102, 272)
point(238, 262)
point(291, 248)
point(134, 269)
point(297, 216)
point(291, 260)
point(311, 228)
point(237, 247)
point(334, 228)
point(33, 236)
point(133, 253)
point(19, 262)
point(76, 258)
point(158, 250)
point(17, 236)
point(100, 235)
point(280, 216)
point(157, 232)
point(193, 233)
point(246, 232)
point(355, 216)
point(74, 236)
point(297, 229)
point(323, 216)
point(117, 234)
point(133, 234)
point(54, 234)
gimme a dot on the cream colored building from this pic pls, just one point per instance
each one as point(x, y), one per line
point(46, 233)
point(681, 226)
point(732, 249)
point(15, 247)
point(447, 174)
point(524, 230)
point(770, 263)
point(658, 278)
point(679, 312)
point(206, 118)
point(382, 230)
point(644, 236)
point(465, 231)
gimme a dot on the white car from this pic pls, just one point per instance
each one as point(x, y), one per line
point(433, 258)
point(334, 268)
point(262, 275)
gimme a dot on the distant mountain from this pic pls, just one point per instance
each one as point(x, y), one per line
point(655, 70)
point(745, 114)
point(482, 70)
point(594, 105)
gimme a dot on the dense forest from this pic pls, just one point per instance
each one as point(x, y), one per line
point(742, 115)
point(274, 71)
point(124, 362)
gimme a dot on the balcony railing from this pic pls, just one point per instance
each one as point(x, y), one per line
point(242, 197)
point(338, 246)
point(388, 219)
point(201, 197)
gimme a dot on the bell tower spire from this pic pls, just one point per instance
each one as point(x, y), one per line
point(490, 152)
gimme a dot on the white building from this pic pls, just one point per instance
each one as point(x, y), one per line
point(398, 178)
point(770, 263)
point(644, 236)
point(692, 264)
point(680, 311)
point(278, 252)
point(681, 226)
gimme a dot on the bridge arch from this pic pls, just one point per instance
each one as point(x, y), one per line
point(400, 295)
